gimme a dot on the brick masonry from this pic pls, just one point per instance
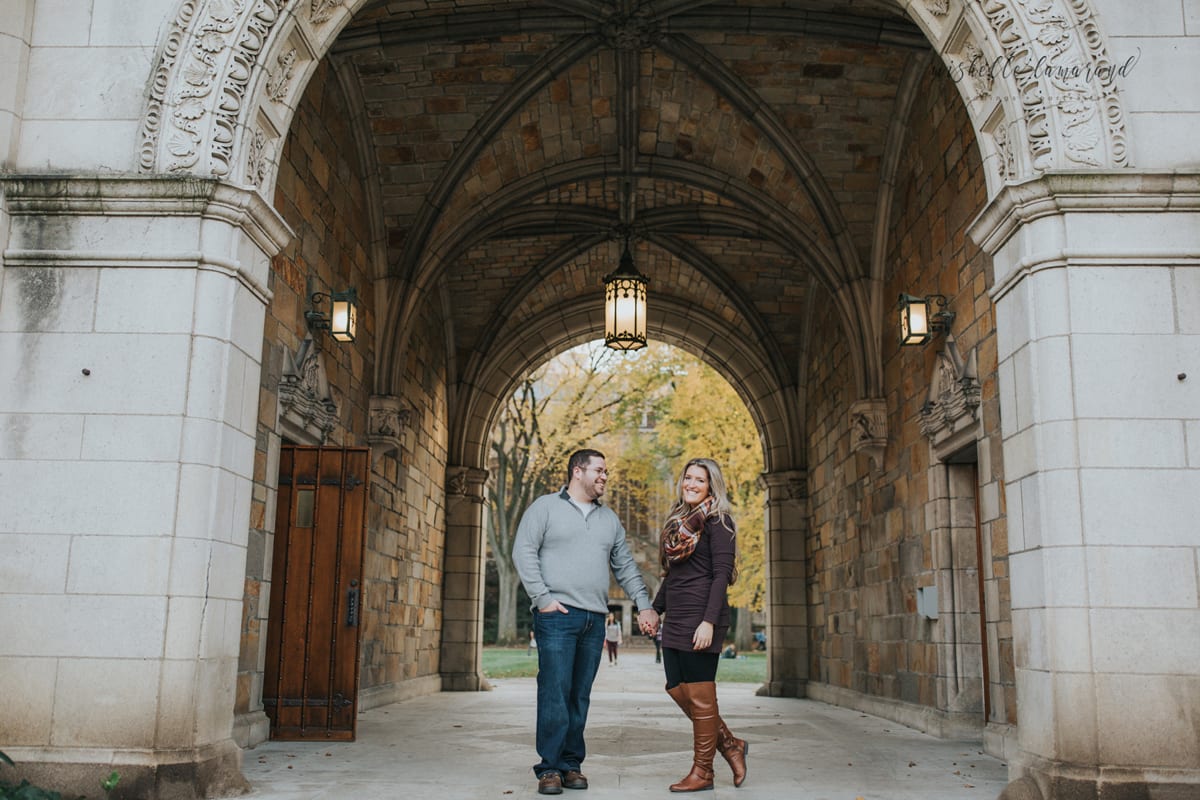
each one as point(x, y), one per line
point(871, 544)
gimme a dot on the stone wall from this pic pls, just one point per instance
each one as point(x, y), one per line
point(320, 194)
point(881, 532)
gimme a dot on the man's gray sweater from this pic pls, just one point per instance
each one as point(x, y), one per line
point(562, 556)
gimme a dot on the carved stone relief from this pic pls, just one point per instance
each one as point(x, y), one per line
point(633, 31)
point(320, 11)
point(788, 485)
point(388, 419)
point(868, 429)
point(258, 159)
point(1060, 81)
point(954, 394)
point(281, 80)
point(1006, 159)
point(465, 483)
point(305, 399)
point(204, 87)
point(939, 8)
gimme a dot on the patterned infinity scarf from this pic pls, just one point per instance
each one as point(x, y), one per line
point(681, 533)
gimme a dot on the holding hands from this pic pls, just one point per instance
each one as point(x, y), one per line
point(648, 620)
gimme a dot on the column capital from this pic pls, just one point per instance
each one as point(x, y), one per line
point(1056, 220)
point(785, 485)
point(463, 482)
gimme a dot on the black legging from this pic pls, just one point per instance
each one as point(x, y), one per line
point(688, 666)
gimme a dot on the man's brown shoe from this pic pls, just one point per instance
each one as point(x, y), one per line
point(550, 783)
point(574, 779)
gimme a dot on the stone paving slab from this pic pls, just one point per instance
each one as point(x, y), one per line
point(480, 745)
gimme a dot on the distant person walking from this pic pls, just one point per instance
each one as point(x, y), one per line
point(565, 547)
point(612, 639)
point(698, 552)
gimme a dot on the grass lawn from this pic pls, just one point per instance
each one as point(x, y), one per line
point(513, 662)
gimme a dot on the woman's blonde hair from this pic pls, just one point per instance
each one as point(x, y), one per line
point(716, 487)
point(721, 508)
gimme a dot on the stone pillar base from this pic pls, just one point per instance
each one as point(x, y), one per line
point(465, 682)
point(145, 775)
point(251, 728)
point(1060, 781)
point(789, 687)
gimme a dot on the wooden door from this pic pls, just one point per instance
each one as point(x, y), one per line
point(310, 686)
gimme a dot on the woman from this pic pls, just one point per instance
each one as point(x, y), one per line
point(698, 551)
point(612, 638)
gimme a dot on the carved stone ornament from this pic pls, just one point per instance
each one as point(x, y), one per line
point(1006, 159)
point(954, 394)
point(631, 32)
point(305, 399)
point(320, 11)
point(785, 486)
point(1065, 83)
point(258, 159)
point(465, 483)
point(939, 8)
point(199, 90)
point(389, 418)
point(281, 80)
point(868, 429)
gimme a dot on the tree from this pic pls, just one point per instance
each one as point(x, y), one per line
point(570, 403)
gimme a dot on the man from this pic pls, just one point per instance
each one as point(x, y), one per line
point(565, 546)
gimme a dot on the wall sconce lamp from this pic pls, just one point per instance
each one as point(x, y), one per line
point(625, 305)
point(342, 321)
point(917, 323)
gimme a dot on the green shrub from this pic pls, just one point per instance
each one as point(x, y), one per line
point(27, 791)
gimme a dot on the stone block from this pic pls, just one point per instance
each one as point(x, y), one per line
point(118, 23)
point(106, 83)
point(1142, 507)
point(185, 622)
point(145, 300)
point(176, 714)
point(1134, 376)
point(1147, 720)
point(129, 373)
point(136, 499)
point(1163, 141)
point(125, 564)
point(1145, 641)
point(1193, 444)
point(70, 625)
point(1142, 577)
point(110, 701)
point(44, 299)
point(131, 438)
point(1145, 89)
point(34, 564)
point(1121, 300)
point(59, 23)
point(49, 437)
point(82, 145)
point(28, 723)
point(1131, 443)
point(1057, 518)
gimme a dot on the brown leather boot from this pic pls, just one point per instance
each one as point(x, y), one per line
point(734, 751)
point(702, 700)
point(731, 748)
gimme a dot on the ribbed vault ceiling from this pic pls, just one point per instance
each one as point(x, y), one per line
point(739, 143)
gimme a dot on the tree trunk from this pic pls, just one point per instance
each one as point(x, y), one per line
point(743, 633)
point(506, 614)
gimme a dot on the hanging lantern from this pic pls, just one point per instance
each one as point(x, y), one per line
point(625, 306)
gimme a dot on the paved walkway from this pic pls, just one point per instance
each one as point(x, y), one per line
point(479, 745)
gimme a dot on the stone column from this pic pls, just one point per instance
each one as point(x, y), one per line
point(1097, 293)
point(131, 323)
point(462, 587)
point(787, 593)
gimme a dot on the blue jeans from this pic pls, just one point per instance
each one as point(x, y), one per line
point(569, 648)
